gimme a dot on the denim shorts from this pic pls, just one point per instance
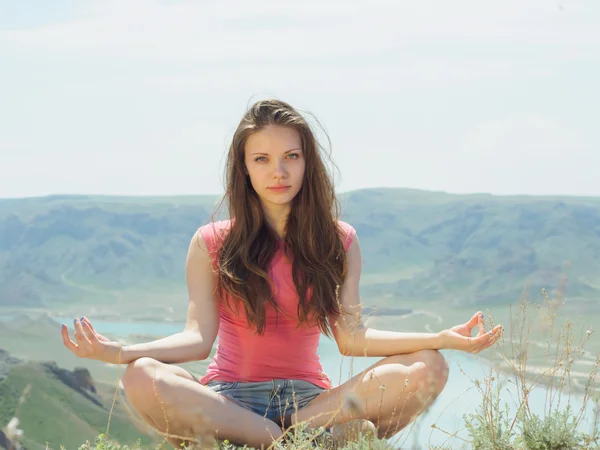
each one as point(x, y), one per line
point(273, 400)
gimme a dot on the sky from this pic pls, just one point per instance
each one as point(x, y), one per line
point(141, 97)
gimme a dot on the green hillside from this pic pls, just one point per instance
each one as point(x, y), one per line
point(417, 246)
point(53, 413)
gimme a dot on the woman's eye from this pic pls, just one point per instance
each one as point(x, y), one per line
point(294, 155)
point(259, 158)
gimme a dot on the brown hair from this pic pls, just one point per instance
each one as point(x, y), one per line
point(312, 234)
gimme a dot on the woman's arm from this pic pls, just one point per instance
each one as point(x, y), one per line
point(193, 343)
point(202, 323)
point(354, 339)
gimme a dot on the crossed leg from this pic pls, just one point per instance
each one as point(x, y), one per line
point(171, 401)
point(391, 394)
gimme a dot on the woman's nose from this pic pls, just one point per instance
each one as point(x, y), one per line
point(279, 170)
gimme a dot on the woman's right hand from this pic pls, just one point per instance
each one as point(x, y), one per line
point(90, 344)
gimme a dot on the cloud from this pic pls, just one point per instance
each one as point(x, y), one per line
point(188, 158)
point(533, 133)
point(529, 152)
point(433, 91)
point(333, 46)
point(266, 30)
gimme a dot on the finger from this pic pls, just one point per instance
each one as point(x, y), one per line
point(497, 330)
point(87, 330)
point(86, 320)
point(488, 339)
point(495, 339)
point(480, 325)
point(474, 320)
point(497, 333)
point(64, 331)
point(80, 336)
point(89, 324)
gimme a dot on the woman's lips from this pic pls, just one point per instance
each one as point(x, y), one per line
point(279, 188)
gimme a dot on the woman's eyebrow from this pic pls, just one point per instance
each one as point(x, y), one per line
point(290, 150)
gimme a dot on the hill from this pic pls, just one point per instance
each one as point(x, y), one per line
point(56, 406)
point(417, 246)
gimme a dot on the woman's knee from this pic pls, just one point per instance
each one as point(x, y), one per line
point(431, 368)
point(140, 376)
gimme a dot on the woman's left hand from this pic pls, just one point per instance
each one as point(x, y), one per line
point(459, 337)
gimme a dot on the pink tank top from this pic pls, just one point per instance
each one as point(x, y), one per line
point(284, 351)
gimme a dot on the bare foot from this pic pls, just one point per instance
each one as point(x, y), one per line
point(352, 431)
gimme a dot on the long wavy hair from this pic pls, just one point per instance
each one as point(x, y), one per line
point(313, 238)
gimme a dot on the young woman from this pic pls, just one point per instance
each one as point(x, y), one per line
point(268, 282)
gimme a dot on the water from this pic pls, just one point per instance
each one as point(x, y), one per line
point(460, 396)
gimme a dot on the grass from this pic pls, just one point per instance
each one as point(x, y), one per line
point(495, 425)
point(541, 347)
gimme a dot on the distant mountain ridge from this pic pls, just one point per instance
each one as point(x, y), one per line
point(422, 245)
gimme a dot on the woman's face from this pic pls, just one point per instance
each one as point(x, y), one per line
point(275, 164)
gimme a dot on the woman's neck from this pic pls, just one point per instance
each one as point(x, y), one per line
point(276, 216)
